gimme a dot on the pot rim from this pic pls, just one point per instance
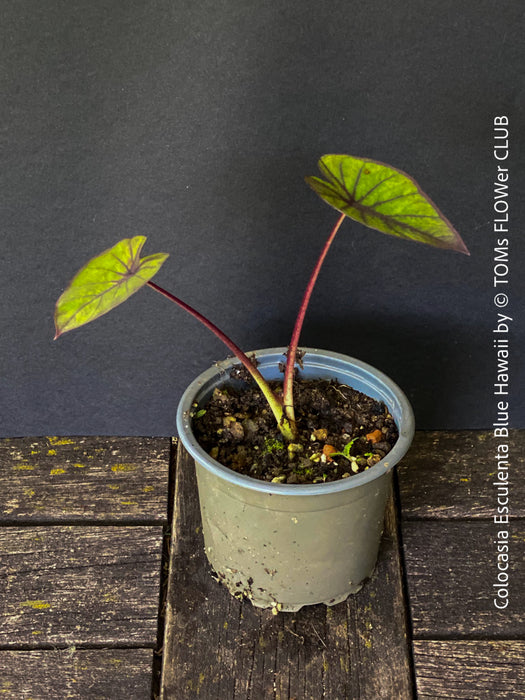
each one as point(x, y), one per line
point(313, 357)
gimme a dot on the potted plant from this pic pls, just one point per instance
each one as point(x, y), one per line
point(293, 473)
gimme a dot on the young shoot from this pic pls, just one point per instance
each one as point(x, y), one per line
point(346, 451)
point(365, 190)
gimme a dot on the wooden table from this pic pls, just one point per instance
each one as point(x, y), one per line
point(95, 603)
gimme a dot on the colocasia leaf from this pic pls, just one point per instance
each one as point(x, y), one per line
point(105, 282)
point(385, 199)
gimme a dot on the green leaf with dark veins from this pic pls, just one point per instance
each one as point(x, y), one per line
point(105, 282)
point(384, 199)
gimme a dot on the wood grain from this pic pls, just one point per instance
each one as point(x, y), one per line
point(450, 475)
point(470, 670)
point(79, 585)
point(85, 479)
point(102, 674)
point(218, 647)
point(451, 568)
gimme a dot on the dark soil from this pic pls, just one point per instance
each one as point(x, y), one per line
point(238, 429)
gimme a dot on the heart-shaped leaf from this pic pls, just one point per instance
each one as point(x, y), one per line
point(105, 282)
point(385, 199)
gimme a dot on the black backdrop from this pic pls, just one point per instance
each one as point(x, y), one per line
point(194, 123)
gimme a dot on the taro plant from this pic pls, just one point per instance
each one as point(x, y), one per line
point(368, 191)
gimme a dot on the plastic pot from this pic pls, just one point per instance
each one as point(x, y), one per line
point(289, 545)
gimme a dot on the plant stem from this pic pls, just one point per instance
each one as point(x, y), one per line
point(286, 426)
point(294, 342)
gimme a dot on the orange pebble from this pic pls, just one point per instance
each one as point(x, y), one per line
point(328, 450)
point(374, 436)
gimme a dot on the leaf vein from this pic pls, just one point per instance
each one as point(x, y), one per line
point(385, 201)
point(374, 187)
point(356, 181)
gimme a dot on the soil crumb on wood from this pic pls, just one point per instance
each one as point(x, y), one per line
point(341, 432)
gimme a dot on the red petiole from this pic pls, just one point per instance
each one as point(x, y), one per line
point(292, 349)
point(275, 402)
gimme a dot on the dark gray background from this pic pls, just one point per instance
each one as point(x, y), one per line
point(194, 123)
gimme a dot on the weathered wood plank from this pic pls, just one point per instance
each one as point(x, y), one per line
point(119, 674)
point(218, 647)
point(470, 670)
point(83, 479)
point(451, 570)
point(451, 475)
point(79, 585)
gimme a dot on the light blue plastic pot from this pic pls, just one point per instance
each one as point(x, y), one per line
point(289, 545)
